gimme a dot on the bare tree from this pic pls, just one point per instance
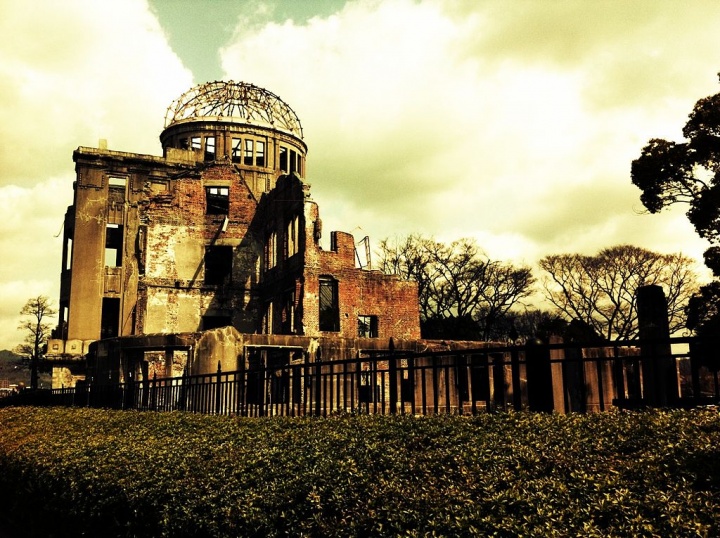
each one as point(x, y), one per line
point(601, 290)
point(524, 324)
point(462, 293)
point(506, 285)
point(36, 312)
point(410, 259)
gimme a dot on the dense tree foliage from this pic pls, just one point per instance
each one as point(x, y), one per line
point(462, 293)
point(688, 172)
point(600, 290)
point(35, 312)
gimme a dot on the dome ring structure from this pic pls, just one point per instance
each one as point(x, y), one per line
point(237, 102)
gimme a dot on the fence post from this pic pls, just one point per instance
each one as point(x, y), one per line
point(411, 383)
point(183, 393)
point(218, 389)
point(392, 371)
point(539, 377)
point(129, 392)
point(660, 384)
point(153, 392)
point(515, 375)
point(318, 381)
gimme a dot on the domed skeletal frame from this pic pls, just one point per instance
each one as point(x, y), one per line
point(237, 102)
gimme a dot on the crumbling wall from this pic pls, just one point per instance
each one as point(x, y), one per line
point(179, 229)
point(393, 301)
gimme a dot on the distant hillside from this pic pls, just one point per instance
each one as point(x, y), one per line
point(16, 370)
point(7, 355)
point(13, 368)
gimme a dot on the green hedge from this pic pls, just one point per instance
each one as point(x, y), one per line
point(74, 472)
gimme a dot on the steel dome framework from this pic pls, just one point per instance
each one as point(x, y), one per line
point(237, 101)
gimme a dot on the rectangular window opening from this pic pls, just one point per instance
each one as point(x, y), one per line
point(63, 321)
point(293, 161)
point(117, 182)
point(271, 251)
point(217, 200)
point(210, 148)
point(195, 143)
point(249, 151)
point(260, 154)
point(329, 307)
point(283, 159)
point(236, 150)
point(287, 315)
point(218, 265)
point(292, 237)
point(268, 318)
point(113, 245)
point(68, 254)
point(367, 326)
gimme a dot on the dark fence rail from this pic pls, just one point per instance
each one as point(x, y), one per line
point(539, 377)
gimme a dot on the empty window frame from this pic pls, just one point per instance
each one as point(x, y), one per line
point(292, 236)
point(329, 307)
point(210, 148)
point(290, 161)
point(68, 253)
point(283, 159)
point(236, 150)
point(268, 318)
point(218, 265)
point(119, 183)
point(259, 153)
point(63, 321)
point(196, 143)
point(271, 251)
point(287, 314)
point(296, 162)
point(249, 152)
point(367, 326)
point(113, 245)
point(217, 200)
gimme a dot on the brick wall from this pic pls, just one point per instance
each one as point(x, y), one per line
point(178, 229)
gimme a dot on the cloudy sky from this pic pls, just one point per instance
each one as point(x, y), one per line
point(511, 121)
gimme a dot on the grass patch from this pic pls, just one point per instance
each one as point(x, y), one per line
point(73, 472)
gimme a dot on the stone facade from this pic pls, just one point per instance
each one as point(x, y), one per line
point(219, 231)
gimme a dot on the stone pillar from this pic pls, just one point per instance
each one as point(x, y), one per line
point(658, 367)
point(539, 377)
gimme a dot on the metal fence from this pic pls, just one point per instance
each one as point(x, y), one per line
point(539, 377)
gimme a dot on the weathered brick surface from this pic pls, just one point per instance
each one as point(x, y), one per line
point(272, 227)
point(360, 292)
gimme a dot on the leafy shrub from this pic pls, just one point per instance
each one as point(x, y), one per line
point(74, 472)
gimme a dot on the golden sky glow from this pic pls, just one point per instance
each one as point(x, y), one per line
point(514, 122)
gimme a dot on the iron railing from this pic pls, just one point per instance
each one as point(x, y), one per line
point(542, 377)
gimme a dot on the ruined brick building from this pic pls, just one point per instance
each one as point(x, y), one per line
point(218, 231)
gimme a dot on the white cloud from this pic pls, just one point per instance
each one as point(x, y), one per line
point(514, 122)
point(71, 72)
point(511, 121)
